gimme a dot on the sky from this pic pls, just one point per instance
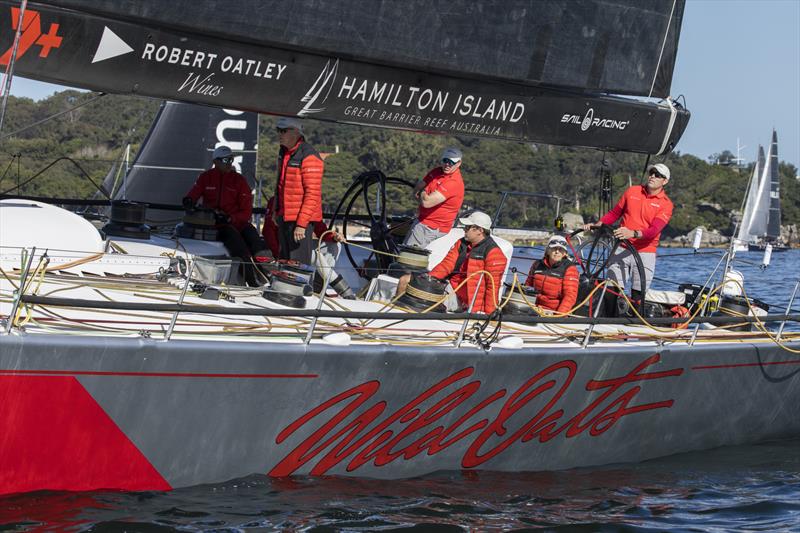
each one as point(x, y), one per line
point(738, 67)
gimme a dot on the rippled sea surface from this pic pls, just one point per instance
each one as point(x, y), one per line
point(745, 488)
point(752, 488)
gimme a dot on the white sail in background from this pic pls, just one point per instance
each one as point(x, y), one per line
point(751, 198)
point(758, 224)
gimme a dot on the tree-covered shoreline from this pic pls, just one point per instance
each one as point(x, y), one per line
point(94, 135)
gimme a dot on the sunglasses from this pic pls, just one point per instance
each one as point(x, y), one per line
point(657, 174)
point(281, 131)
point(449, 162)
point(226, 160)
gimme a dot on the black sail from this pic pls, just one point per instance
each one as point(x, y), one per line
point(774, 223)
point(542, 71)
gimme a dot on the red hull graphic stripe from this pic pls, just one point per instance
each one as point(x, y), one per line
point(61, 439)
point(153, 374)
point(742, 365)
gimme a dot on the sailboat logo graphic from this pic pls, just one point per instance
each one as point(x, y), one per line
point(587, 120)
point(323, 83)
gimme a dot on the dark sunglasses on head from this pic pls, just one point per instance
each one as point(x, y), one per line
point(226, 160)
point(281, 130)
point(657, 174)
point(449, 162)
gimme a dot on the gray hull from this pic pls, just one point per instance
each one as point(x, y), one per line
point(91, 412)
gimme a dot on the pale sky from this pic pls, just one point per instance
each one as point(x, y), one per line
point(738, 67)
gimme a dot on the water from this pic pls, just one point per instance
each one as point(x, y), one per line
point(747, 488)
point(752, 488)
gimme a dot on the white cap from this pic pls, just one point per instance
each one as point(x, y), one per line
point(557, 241)
point(221, 151)
point(477, 218)
point(291, 123)
point(453, 154)
point(661, 168)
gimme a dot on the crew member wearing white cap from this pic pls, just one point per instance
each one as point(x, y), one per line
point(440, 194)
point(298, 191)
point(476, 252)
point(227, 192)
point(645, 211)
point(554, 277)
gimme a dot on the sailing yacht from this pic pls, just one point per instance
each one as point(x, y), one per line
point(761, 217)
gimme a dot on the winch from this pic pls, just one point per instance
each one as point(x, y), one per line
point(422, 292)
point(199, 224)
point(411, 259)
point(290, 282)
point(127, 220)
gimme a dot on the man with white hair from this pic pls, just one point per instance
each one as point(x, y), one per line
point(645, 211)
point(440, 194)
point(298, 191)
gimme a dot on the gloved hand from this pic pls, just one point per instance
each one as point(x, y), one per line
point(188, 203)
point(220, 217)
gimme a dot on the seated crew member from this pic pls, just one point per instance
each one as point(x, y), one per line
point(440, 194)
point(645, 211)
point(477, 251)
point(554, 277)
point(326, 259)
point(226, 191)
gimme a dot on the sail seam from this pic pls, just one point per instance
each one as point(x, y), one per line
point(663, 45)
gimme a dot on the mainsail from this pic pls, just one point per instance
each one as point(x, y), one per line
point(540, 71)
point(754, 217)
point(774, 224)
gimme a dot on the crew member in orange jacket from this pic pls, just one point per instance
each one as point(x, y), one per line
point(226, 191)
point(475, 252)
point(298, 191)
point(645, 211)
point(554, 277)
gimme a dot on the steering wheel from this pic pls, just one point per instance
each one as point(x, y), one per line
point(593, 257)
point(368, 194)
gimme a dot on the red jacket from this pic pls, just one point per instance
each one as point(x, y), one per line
point(227, 192)
point(298, 191)
point(464, 259)
point(557, 285)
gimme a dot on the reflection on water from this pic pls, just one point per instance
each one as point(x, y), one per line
point(755, 487)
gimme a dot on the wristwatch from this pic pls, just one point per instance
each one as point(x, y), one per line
point(637, 234)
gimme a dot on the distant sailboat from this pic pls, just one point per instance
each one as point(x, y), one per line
point(761, 218)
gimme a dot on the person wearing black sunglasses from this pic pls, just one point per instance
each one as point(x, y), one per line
point(645, 211)
point(227, 192)
point(440, 195)
point(298, 191)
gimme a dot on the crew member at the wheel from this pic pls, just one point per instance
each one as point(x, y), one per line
point(554, 277)
point(440, 194)
point(226, 191)
point(645, 211)
point(298, 191)
point(476, 252)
